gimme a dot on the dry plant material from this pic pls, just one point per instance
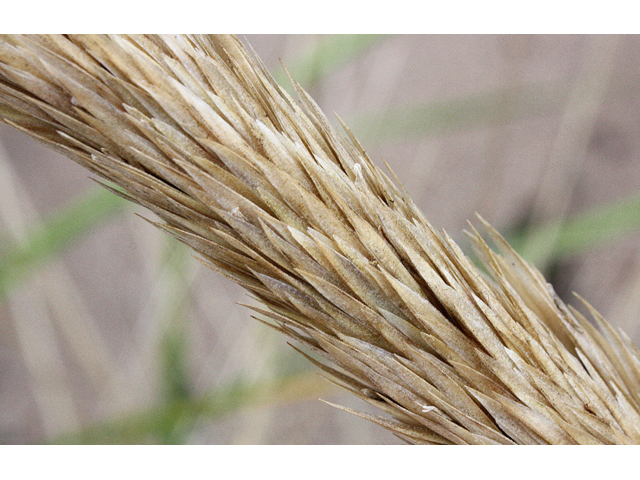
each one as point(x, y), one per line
point(272, 196)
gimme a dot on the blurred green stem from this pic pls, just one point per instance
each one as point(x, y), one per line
point(151, 425)
point(586, 230)
point(324, 56)
point(55, 233)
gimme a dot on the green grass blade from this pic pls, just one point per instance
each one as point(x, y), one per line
point(586, 230)
point(149, 426)
point(440, 118)
point(78, 218)
point(326, 56)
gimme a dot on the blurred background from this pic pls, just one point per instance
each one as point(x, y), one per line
point(111, 332)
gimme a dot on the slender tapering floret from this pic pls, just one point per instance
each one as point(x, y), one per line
point(269, 194)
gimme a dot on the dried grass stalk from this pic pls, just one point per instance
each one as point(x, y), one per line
point(273, 197)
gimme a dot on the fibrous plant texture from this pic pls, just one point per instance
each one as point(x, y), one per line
point(269, 194)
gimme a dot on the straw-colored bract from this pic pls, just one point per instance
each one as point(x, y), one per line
point(270, 195)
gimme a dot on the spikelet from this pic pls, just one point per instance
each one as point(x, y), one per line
point(270, 195)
